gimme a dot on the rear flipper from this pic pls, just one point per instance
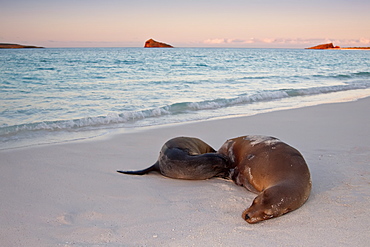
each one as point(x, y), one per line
point(154, 167)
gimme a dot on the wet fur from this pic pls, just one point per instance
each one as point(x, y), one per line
point(188, 158)
point(274, 170)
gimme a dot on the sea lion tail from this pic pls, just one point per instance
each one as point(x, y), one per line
point(154, 167)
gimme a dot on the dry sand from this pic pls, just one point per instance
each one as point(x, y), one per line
point(70, 195)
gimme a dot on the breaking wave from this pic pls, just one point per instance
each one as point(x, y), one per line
point(130, 117)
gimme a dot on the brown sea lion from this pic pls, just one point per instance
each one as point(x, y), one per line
point(271, 168)
point(188, 158)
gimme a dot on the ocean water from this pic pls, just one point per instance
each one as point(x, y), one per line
point(63, 94)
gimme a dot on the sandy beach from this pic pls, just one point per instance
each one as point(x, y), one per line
point(70, 194)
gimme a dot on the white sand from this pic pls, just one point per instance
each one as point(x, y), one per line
point(70, 195)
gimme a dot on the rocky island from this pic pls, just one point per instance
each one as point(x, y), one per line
point(16, 46)
point(330, 46)
point(151, 43)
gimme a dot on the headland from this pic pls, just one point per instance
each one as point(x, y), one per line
point(151, 43)
point(17, 46)
point(330, 46)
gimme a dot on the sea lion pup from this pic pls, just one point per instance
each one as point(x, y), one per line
point(271, 168)
point(188, 158)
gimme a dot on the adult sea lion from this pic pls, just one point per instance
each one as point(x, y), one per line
point(271, 168)
point(188, 158)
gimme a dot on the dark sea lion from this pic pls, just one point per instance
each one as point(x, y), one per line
point(188, 158)
point(271, 168)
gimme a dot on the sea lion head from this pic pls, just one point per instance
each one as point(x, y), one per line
point(266, 205)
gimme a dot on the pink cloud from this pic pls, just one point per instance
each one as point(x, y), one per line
point(293, 41)
point(218, 41)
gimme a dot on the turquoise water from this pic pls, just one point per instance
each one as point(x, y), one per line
point(54, 95)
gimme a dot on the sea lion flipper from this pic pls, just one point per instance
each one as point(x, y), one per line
point(154, 167)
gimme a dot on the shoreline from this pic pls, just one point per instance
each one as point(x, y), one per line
point(60, 137)
point(69, 194)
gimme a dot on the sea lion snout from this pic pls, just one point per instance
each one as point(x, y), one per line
point(259, 210)
point(257, 218)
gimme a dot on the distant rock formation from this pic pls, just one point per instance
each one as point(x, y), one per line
point(331, 46)
point(151, 43)
point(355, 48)
point(324, 46)
point(16, 46)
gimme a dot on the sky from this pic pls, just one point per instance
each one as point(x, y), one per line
point(186, 23)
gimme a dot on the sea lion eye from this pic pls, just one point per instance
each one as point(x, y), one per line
point(268, 214)
point(250, 156)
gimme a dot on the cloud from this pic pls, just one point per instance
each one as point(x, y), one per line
point(361, 41)
point(286, 41)
point(218, 41)
point(364, 41)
